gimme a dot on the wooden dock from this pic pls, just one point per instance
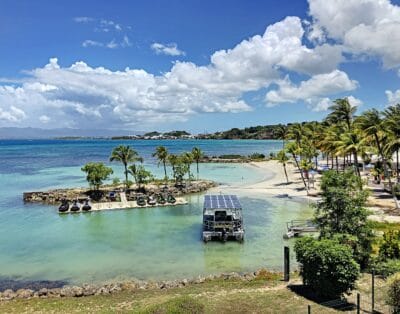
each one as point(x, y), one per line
point(296, 228)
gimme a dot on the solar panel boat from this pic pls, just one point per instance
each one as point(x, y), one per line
point(222, 218)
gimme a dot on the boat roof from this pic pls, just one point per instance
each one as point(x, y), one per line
point(221, 202)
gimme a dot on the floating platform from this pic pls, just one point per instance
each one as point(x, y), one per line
point(222, 218)
point(297, 228)
point(124, 205)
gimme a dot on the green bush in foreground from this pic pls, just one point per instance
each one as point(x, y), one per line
point(393, 292)
point(326, 266)
point(180, 305)
point(96, 173)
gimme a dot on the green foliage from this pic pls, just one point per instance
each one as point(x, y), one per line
point(125, 155)
point(342, 211)
point(116, 181)
point(390, 246)
point(257, 156)
point(327, 266)
point(393, 292)
point(161, 154)
point(179, 305)
point(387, 267)
point(231, 156)
point(96, 173)
point(140, 174)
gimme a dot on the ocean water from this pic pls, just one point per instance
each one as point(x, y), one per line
point(156, 243)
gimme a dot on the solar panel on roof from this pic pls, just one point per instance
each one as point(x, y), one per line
point(221, 202)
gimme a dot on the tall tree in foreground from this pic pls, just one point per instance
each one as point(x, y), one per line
point(281, 133)
point(197, 155)
point(341, 213)
point(187, 159)
point(283, 159)
point(392, 121)
point(125, 155)
point(162, 155)
point(342, 111)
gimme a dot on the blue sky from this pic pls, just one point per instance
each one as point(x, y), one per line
point(195, 65)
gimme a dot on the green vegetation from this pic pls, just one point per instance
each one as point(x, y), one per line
point(393, 293)
point(162, 155)
point(283, 159)
point(125, 155)
point(96, 173)
point(328, 267)
point(177, 134)
point(197, 156)
point(140, 174)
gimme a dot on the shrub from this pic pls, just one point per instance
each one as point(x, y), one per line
point(387, 268)
point(257, 156)
point(393, 292)
point(96, 173)
point(390, 246)
point(327, 266)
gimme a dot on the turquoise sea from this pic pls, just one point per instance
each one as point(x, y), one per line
point(157, 243)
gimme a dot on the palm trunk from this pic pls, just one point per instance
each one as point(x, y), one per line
point(301, 172)
point(397, 165)
point(386, 170)
point(284, 169)
point(197, 168)
point(356, 164)
point(337, 163)
point(126, 175)
point(316, 162)
point(165, 171)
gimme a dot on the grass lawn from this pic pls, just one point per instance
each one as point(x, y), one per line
point(218, 296)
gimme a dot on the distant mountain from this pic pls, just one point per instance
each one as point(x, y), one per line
point(36, 133)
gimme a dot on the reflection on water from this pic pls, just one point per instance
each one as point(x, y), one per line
point(149, 243)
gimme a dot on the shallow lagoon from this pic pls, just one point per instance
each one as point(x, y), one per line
point(156, 243)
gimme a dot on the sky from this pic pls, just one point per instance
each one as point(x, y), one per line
point(198, 65)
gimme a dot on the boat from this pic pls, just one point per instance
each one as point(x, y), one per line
point(171, 199)
point(151, 200)
point(141, 201)
point(112, 196)
point(64, 206)
point(222, 218)
point(75, 206)
point(160, 199)
point(86, 206)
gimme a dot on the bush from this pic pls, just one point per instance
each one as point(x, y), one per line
point(387, 268)
point(231, 156)
point(390, 246)
point(257, 156)
point(326, 266)
point(393, 292)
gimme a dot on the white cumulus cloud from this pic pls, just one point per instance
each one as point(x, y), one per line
point(170, 49)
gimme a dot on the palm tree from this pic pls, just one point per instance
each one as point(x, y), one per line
point(197, 156)
point(125, 155)
point(352, 143)
point(283, 159)
point(162, 155)
point(187, 159)
point(281, 133)
point(295, 132)
point(173, 160)
point(342, 110)
point(294, 150)
point(392, 122)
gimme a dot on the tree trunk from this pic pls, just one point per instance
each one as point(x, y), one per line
point(337, 163)
point(284, 169)
point(126, 175)
point(197, 168)
point(397, 165)
point(301, 172)
point(356, 164)
point(316, 162)
point(165, 171)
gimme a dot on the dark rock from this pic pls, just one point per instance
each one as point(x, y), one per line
point(43, 292)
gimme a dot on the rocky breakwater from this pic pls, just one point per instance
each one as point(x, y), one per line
point(54, 197)
point(132, 285)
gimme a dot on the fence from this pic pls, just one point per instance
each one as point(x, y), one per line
point(355, 304)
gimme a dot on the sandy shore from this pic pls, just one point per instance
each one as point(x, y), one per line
point(274, 182)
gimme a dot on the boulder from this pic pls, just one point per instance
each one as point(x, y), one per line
point(55, 292)
point(24, 293)
point(9, 294)
point(43, 292)
point(89, 289)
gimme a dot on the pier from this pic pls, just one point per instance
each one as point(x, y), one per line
point(296, 228)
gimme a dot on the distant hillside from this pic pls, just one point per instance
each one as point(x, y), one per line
point(36, 133)
point(254, 132)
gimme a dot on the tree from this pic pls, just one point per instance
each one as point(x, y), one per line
point(327, 266)
point(342, 211)
point(342, 110)
point(125, 155)
point(351, 142)
point(283, 159)
point(293, 149)
point(197, 155)
point(96, 173)
point(162, 155)
point(140, 174)
point(281, 132)
point(187, 159)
